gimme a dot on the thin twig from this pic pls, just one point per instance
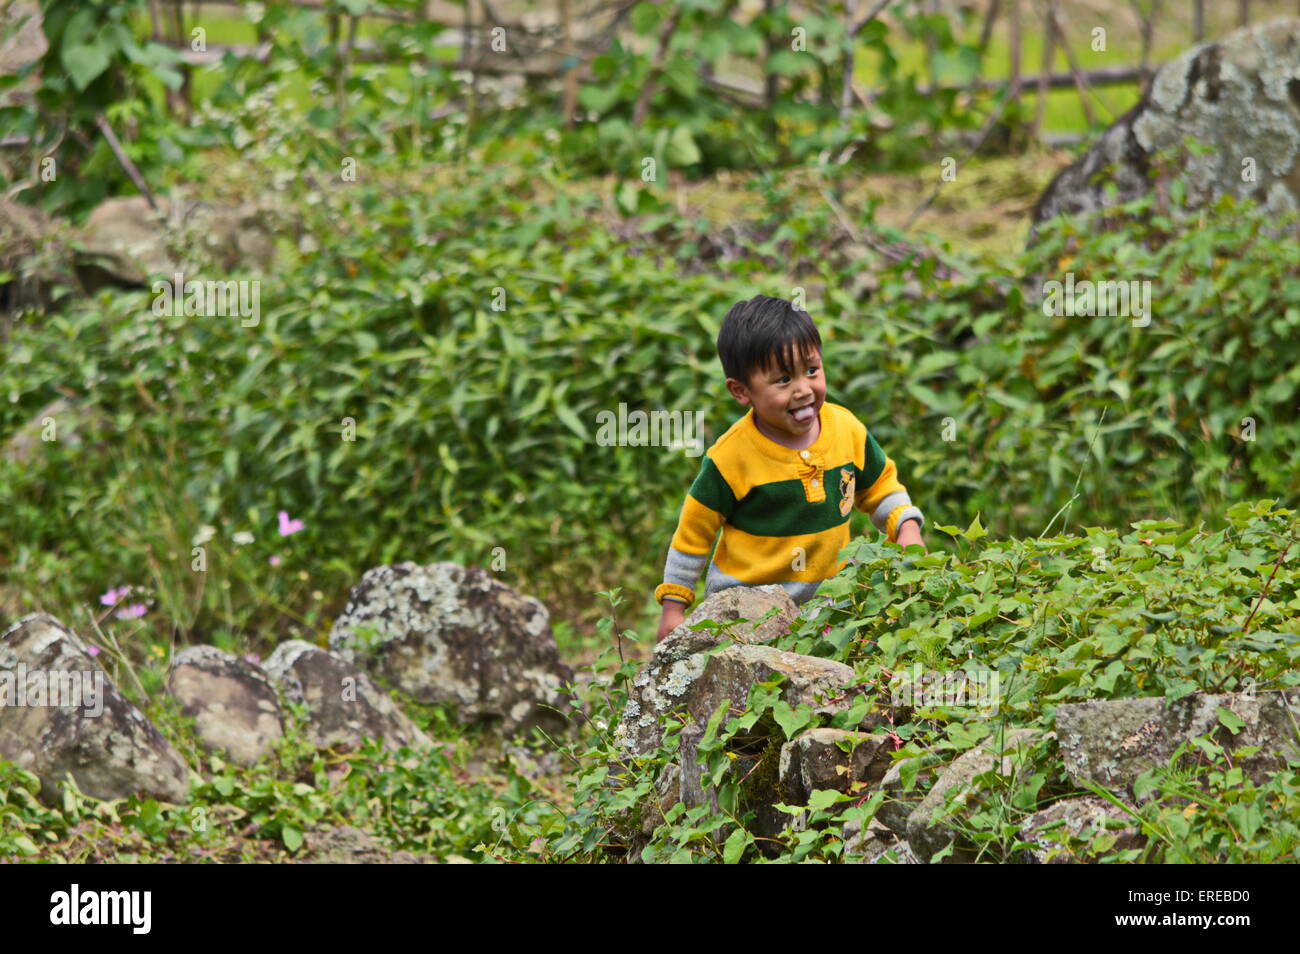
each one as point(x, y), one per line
point(125, 161)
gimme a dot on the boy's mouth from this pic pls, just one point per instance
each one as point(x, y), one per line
point(804, 415)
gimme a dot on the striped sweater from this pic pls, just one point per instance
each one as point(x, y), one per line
point(784, 513)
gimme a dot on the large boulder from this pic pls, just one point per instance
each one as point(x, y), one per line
point(33, 256)
point(1239, 95)
point(690, 674)
point(929, 829)
point(233, 703)
point(447, 635)
point(343, 704)
point(60, 714)
point(22, 42)
point(124, 241)
point(826, 758)
point(1061, 832)
point(679, 659)
point(1112, 741)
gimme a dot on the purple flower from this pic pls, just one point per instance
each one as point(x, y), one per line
point(275, 560)
point(113, 595)
point(92, 650)
point(288, 526)
point(254, 658)
point(134, 611)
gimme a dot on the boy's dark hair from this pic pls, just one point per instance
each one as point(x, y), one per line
point(761, 331)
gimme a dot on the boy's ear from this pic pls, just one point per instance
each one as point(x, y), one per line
point(738, 390)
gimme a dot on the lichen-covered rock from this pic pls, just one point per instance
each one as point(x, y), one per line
point(129, 243)
point(60, 714)
point(233, 703)
point(878, 845)
point(743, 606)
point(667, 680)
point(347, 845)
point(1239, 95)
point(1112, 741)
point(927, 832)
point(815, 760)
point(901, 800)
point(343, 704)
point(1082, 819)
point(448, 635)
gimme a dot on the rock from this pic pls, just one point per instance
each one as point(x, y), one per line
point(22, 42)
point(876, 846)
point(814, 760)
point(744, 605)
point(699, 682)
point(34, 253)
point(927, 833)
point(447, 635)
point(105, 742)
point(680, 659)
point(1239, 95)
point(1112, 741)
point(125, 242)
point(347, 845)
point(1073, 819)
point(899, 803)
point(343, 703)
point(233, 702)
point(64, 422)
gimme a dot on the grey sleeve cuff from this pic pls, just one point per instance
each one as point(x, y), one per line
point(683, 568)
point(880, 516)
point(911, 513)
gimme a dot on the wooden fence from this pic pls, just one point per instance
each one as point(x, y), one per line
point(562, 46)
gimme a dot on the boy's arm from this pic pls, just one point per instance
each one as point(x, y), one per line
point(884, 497)
point(707, 506)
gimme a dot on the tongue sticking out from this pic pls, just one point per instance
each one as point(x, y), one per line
point(804, 414)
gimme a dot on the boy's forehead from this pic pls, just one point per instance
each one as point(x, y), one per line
point(773, 361)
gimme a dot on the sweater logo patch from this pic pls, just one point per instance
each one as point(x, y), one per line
point(847, 482)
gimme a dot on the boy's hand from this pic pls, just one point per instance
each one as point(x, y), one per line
point(908, 534)
point(673, 614)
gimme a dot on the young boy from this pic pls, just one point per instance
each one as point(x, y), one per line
point(781, 481)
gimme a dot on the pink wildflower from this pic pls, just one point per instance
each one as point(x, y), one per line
point(113, 595)
point(275, 560)
point(288, 526)
point(92, 650)
point(134, 611)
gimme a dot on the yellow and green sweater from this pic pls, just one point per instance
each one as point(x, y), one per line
point(784, 513)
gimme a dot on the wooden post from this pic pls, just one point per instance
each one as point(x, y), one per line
point(1198, 20)
point(343, 67)
point(929, 8)
point(1147, 25)
point(1243, 12)
point(571, 74)
point(771, 82)
point(182, 98)
point(1049, 37)
point(986, 31)
point(1079, 84)
point(1013, 17)
point(847, 63)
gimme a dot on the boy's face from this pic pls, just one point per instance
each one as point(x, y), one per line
point(787, 405)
